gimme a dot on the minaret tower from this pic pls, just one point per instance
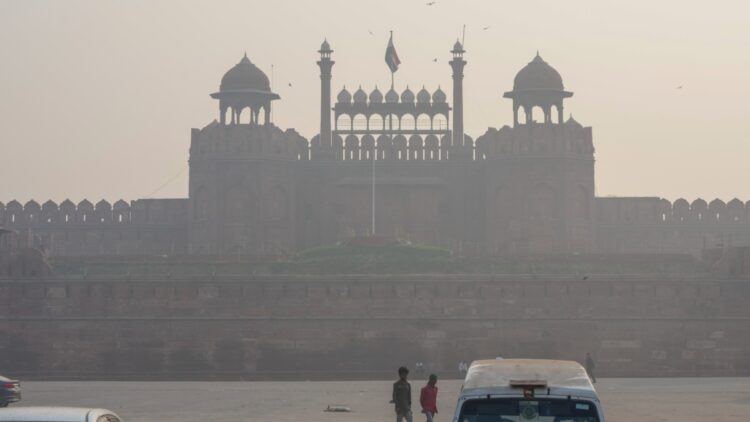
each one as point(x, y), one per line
point(458, 64)
point(326, 64)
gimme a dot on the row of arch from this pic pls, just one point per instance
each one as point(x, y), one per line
point(422, 97)
point(537, 114)
point(396, 122)
point(680, 211)
point(413, 148)
point(67, 212)
point(490, 146)
point(236, 115)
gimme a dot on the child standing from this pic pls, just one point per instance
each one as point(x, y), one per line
point(428, 398)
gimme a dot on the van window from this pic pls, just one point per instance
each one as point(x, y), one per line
point(528, 410)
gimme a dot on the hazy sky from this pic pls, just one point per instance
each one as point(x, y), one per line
point(97, 98)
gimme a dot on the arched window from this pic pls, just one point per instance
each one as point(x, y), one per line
point(399, 147)
point(392, 122)
point(376, 122)
point(344, 122)
point(408, 122)
point(415, 147)
point(432, 148)
point(554, 114)
point(521, 115)
point(424, 122)
point(359, 122)
point(537, 114)
point(367, 149)
point(261, 116)
point(440, 122)
point(351, 148)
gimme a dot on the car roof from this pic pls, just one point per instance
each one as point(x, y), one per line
point(497, 374)
point(2, 378)
point(51, 414)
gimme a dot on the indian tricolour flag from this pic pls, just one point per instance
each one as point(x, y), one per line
point(391, 57)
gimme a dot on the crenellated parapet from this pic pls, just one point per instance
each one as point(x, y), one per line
point(246, 141)
point(651, 210)
point(67, 213)
point(570, 139)
point(141, 227)
point(656, 225)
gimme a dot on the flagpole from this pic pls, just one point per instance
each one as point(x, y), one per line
point(372, 157)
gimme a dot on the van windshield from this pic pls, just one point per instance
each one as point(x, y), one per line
point(528, 410)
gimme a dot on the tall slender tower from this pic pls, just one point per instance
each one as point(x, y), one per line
point(458, 64)
point(326, 64)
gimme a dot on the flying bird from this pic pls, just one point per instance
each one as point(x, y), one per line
point(679, 87)
point(370, 31)
point(431, 3)
point(434, 60)
point(485, 28)
point(585, 278)
point(290, 84)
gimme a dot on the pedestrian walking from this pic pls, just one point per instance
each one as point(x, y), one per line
point(402, 396)
point(428, 398)
point(462, 368)
point(590, 367)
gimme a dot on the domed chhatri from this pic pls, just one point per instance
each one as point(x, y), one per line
point(407, 96)
point(245, 86)
point(244, 77)
point(344, 96)
point(325, 47)
point(376, 97)
point(360, 97)
point(423, 96)
point(438, 96)
point(538, 85)
point(391, 96)
point(538, 75)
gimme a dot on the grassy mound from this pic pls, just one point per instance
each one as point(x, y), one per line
point(369, 258)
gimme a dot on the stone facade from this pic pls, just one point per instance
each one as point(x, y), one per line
point(259, 191)
point(308, 327)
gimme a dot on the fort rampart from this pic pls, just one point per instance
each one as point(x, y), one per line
point(159, 226)
point(305, 327)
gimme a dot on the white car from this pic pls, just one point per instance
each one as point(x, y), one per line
point(57, 414)
point(527, 390)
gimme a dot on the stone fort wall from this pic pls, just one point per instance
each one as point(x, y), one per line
point(141, 227)
point(160, 226)
point(307, 327)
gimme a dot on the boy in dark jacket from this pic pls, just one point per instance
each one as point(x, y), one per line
point(428, 398)
point(402, 396)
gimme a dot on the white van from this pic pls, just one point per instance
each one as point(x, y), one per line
point(527, 390)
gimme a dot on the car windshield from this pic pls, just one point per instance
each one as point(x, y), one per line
point(528, 410)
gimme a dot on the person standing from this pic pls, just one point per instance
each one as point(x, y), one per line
point(402, 396)
point(428, 398)
point(590, 367)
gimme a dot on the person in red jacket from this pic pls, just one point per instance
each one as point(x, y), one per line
point(428, 398)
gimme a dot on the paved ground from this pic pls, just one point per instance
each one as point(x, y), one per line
point(653, 400)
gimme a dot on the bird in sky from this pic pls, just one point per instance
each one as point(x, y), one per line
point(370, 31)
point(679, 87)
point(485, 28)
point(431, 3)
point(434, 60)
point(290, 84)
